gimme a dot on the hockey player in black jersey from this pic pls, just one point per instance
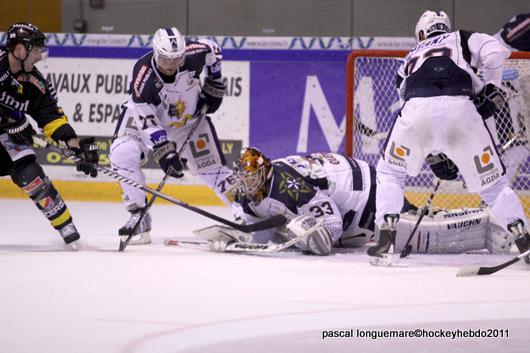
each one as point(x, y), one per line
point(166, 93)
point(23, 90)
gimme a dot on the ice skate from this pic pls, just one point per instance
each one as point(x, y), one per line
point(521, 237)
point(381, 253)
point(70, 236)
point(141, 234)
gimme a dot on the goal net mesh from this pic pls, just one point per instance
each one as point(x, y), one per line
point(373, 104)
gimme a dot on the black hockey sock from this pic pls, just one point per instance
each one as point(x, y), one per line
point(49, 202)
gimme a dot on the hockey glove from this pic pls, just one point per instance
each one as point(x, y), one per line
point(17, 127)
point(489, 100)
point(88, 152)
point(212, 94)
point(315, 237)
point(442, 166)
point(166, 155)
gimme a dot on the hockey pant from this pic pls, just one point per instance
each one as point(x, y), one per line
point(451, 125)
point(203, 153)
point(19, 162)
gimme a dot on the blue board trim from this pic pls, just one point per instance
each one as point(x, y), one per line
point(228, 54)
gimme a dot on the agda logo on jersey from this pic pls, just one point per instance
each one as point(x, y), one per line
point(483, 163)
point(399, 152)
point(486, 168)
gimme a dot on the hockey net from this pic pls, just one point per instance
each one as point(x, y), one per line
point(373, 104)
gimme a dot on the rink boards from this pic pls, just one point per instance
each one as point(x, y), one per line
point(282, 101)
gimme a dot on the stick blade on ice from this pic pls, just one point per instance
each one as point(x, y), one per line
point(468, 271)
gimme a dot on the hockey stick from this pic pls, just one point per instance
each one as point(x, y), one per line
point(408, 247)
point(273, 222)
point(478, 271)
point(198, 118)
point(238, 247)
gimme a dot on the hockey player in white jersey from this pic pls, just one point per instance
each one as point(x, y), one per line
point(333, 193)
point(329, 200)
point(437, 82)
point(166, 95)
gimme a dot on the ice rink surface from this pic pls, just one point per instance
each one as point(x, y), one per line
point(158, 299)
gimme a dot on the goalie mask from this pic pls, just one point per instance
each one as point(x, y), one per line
point(252, 171)
point(432, 23)
point(169, 48)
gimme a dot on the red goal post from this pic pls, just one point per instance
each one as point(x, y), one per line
point(372, 104)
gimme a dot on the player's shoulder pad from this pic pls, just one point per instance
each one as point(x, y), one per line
point(145, 84)
point(35, 78)
point(201, 53)
point(290, 187)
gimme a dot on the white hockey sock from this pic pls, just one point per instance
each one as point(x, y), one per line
point(389, 195)
point(503, 202)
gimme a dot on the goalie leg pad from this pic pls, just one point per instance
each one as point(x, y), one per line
point(447, 232)
point(217, 231)
point(355, 239)
point(220, 236)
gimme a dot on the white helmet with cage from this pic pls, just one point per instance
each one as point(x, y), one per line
point(432, 23)
point(169, 47)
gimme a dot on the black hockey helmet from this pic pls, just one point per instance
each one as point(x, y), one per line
point(24, 33)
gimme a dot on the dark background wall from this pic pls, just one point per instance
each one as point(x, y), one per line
point(258, 17)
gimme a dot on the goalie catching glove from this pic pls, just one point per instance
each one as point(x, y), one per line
point(315, 238)
point(442, 166)
point(167, 157)
point(212, 94)
point(489, 100)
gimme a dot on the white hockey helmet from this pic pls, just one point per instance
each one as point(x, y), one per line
point(169, 47)
point(432, 23)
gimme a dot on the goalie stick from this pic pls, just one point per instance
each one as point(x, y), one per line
point(479, 271)
point(237, 247)
point(273, 222)
point(198, 118)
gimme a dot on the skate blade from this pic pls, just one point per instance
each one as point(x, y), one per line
point(384, 261)
point(138, 239)
point(74, 246)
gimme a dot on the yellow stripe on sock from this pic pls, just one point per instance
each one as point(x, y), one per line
point(59, 221)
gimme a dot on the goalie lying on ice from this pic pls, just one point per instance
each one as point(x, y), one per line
point(330, 201)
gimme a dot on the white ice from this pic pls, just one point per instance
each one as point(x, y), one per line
point(158, 299)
